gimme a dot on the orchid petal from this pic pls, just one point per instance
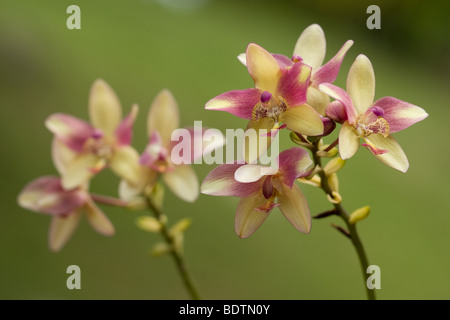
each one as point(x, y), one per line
point(248, 219)
point(252, 172)
point(294, 163)
point(303, 119)
point(125, 130)
point(329, 71)
point(317, 100)
point(105, 110)
point(163, 116)
point(294, 207)
point(395, 158)
point(263, 68)
point(311, 46)
point(62, 156)
point(336, 111)
point(46, 195)
point(80, 170)
point(61, 229)
point(125, 163)
point(282, 60)
point(242, 58)
point(237, 102)
point(342, 96)
point(400, 114)
point(98, 220)
point(293, 84)
point(361, 83)
point(72, 131)
point(348, 141)
point(183, 181)
point(221, 182)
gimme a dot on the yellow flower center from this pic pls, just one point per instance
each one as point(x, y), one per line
point(270, 109)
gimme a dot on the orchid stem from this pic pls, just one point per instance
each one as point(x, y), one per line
point(179, 261)
point(351, 228)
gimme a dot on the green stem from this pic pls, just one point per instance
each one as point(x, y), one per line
point(179, 261)
point(341, 212)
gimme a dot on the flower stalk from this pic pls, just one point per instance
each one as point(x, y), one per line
point(351, 228)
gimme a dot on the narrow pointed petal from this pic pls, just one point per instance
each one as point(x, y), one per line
point(80, 170)
point(221, 182)
point(318, 100)
point(263, 68)
point(361, 83)
point(125, 130)
point(395, 157)
point(46, 195)
point(61, 229)
point(105, 110)
point(183, 182)
point(311, 46)
point(294, 163)
point(242, 58)
point(248, 219)
point(400, 114)
point(98, 220)
point(252, 172)
point(293, 84)
point(342, 96)
point(282, 60)
point(72, 131)
point(348, 141)
point(62, 156)
point(125, 163)
point(260, 135)
point(237, 102)
point(329, 71)
point(163, 116)
point(295, 208)
point(303, 119)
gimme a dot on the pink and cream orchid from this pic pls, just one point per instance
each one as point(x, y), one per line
point(279, 96)
point(103, 142)
point(259, 187)
point(310, 49)
point(156, 160)
point(47, 195)
point(372, 121)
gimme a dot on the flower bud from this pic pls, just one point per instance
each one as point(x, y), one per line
point(149, 224)
point(359, 214)
point(334, 165)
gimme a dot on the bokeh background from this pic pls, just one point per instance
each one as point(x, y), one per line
point(190, 46)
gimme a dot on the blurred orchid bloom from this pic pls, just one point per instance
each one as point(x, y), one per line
point(259, 186)
point(372, 121)
point(310, 49)
point(106, 141)
point(279, 96)
point(156, 160)
point(47, 195)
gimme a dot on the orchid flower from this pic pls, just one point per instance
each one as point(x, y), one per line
point(47, 195)
point(310, 49)
point(372, 121)
point(279, 96)
point(259, 187)
point(162, 121)
point(104, 141)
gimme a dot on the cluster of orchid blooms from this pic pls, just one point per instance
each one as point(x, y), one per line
point(296, 94)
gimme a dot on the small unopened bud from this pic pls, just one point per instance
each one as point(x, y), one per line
point(334, 165)
point(335, 197)
point(178, 243)
point(359, 214)
point(180, 227)
point(160, 249)
point(333, 182)
point(328, 126)
point(149, 224)
point(327, 154)
point(137, 203)
point(336, 112)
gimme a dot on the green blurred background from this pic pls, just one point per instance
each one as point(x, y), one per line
point(190, 47)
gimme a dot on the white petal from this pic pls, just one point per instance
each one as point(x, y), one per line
point(311, 46)
point(295, 208)
point(361, 83)
point(348, 141)
point(183, 182)
point(98, 220)
point(125, 163)
point(253, 172)
point(61, 229)
point(396, 157)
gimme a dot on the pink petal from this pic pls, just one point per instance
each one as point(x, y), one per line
point(336, 112)
point(329, 71)
point(282, 60)
point(237, 102)
point(294, 83)
point(221, 182)
point(294, 163)
point(46, 195)
point(342, 96)
point(125, 130)
point(73, 132)
point(400, 114)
